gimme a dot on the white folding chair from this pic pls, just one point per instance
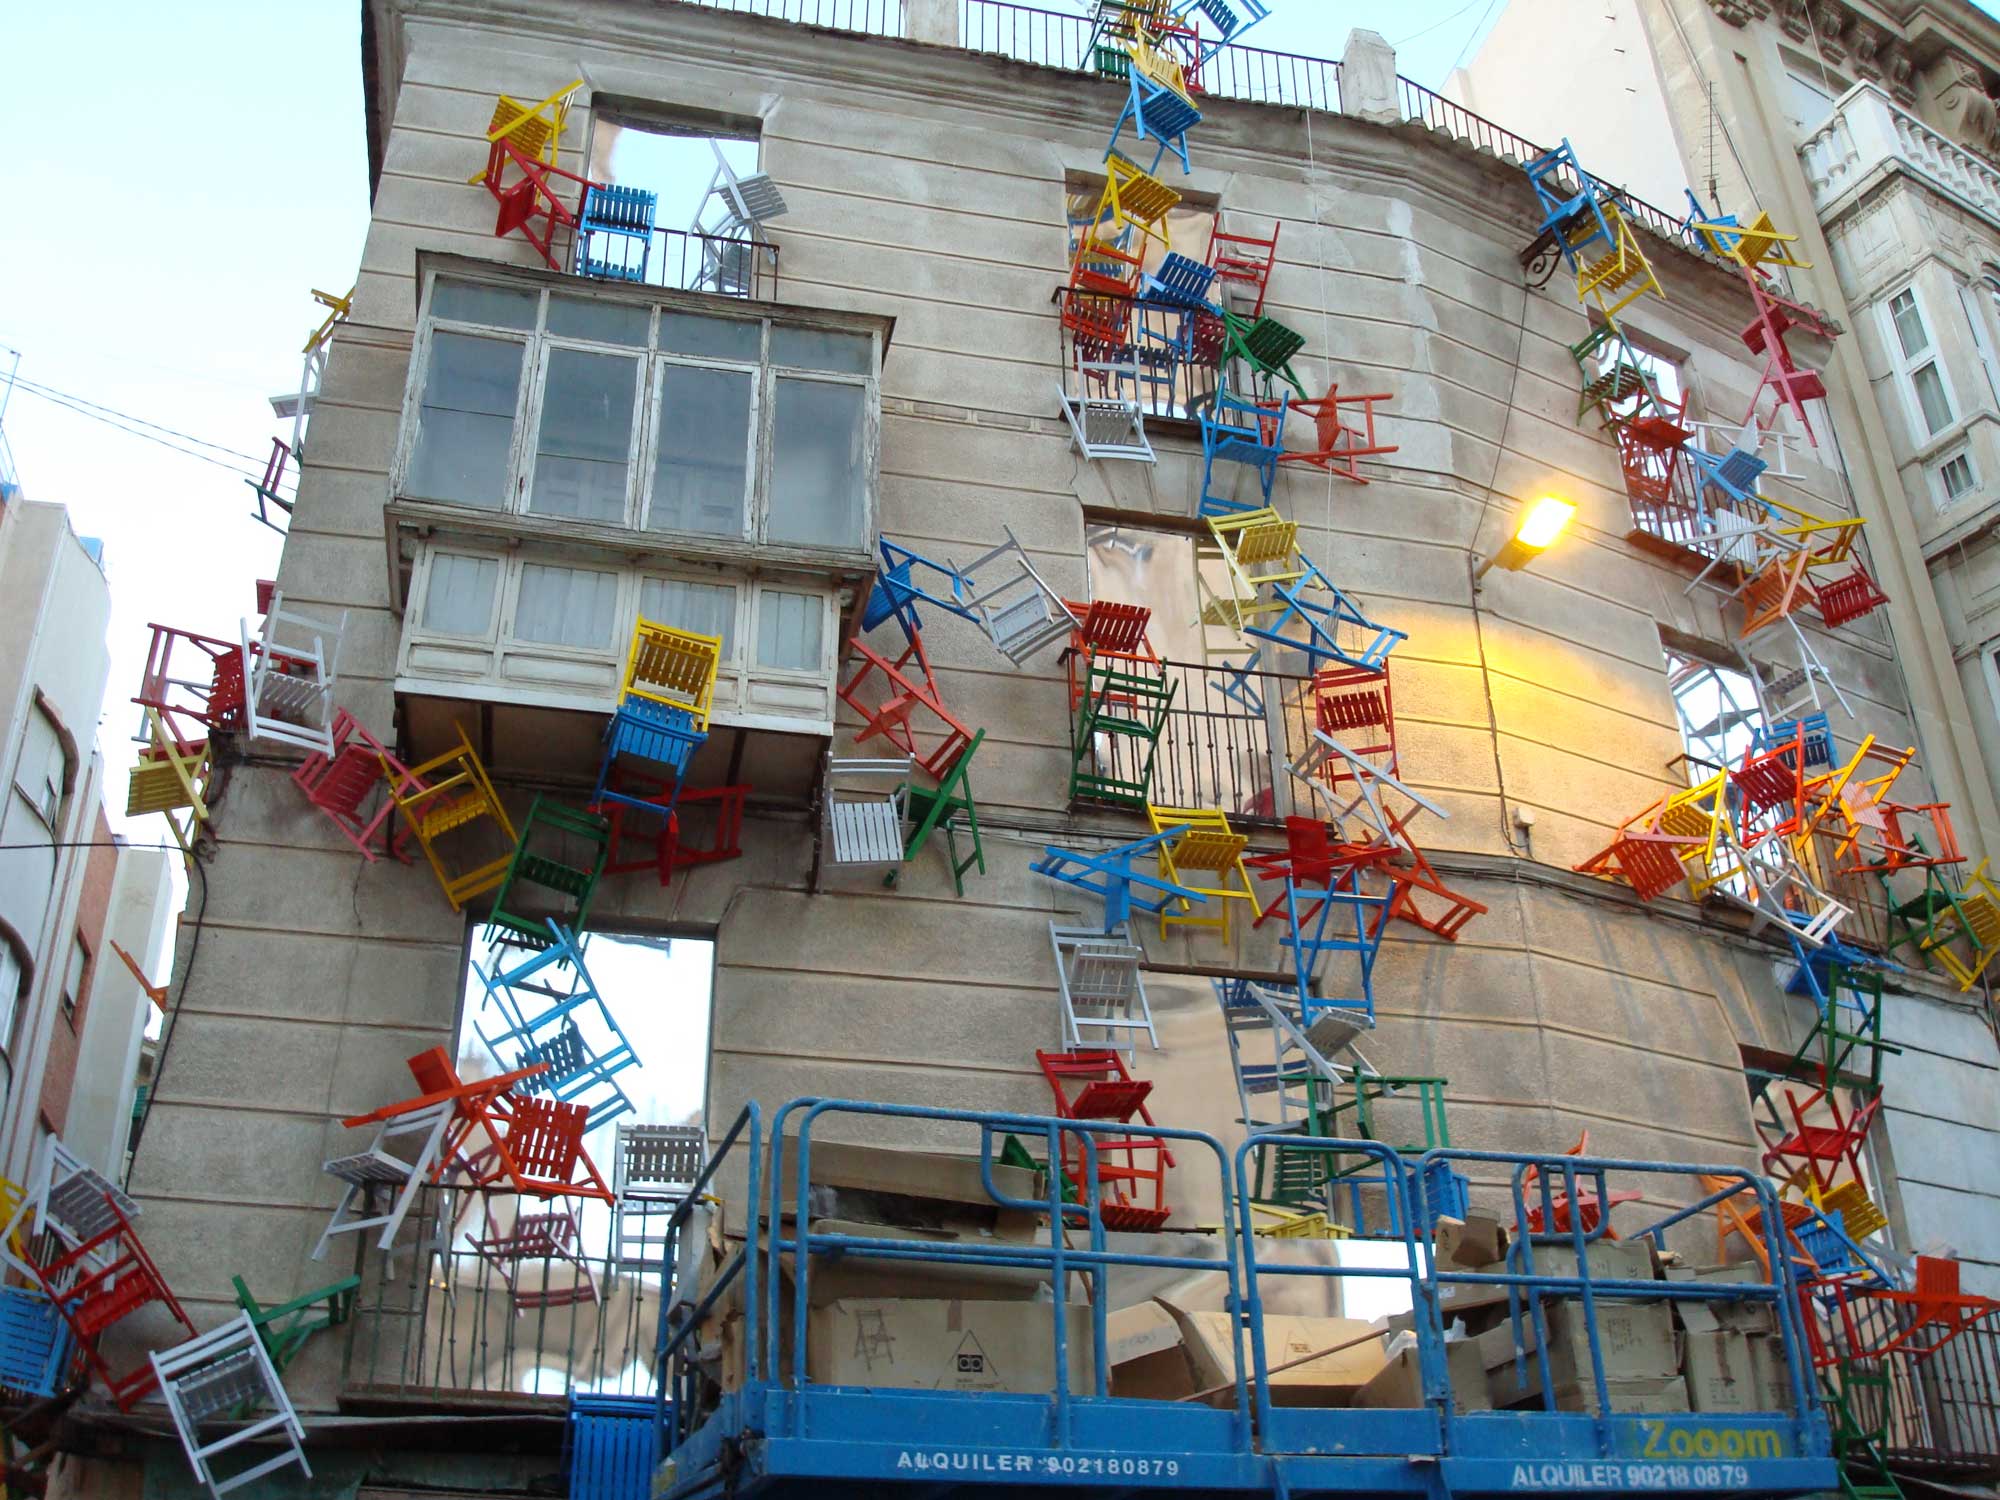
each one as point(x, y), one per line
point(1106, 417)
point(864, 812)
point(746, 202)
point(378, 1167)
point(1368, 780)
point(292, 669)
point(1015, 606)
point(215, 1374)
point(655, 1171)
point(1098, 975)
point(68, 1196)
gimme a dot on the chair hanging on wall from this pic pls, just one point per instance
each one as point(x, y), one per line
point(949, 806)
point(1326, 624)
point(196, 683)
point(1021, 615)
point(218, 1375)
point(1199, 850)
point(1115, 876)
point(864, 813)
point(68, 1197)
point(551, 1238)
point(653, 1174)
point(342, 783)
point(1337, 447)
point(905, 703)
point(611, 1446)
point(37, 1350)
point(663, 710)
point(555, 867)
point(294, 663)
point(1239, 431)
point(1243, 264)
point(533, 1017)
point(1158, 105)
point(1104, 407)
point(614, 239)
point(173, 777)
point(1130, 1171)
point(1101, 987)
point(287, 1328)
point(451, 794)
point(101, 1281)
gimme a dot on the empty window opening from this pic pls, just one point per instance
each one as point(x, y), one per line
point(690, 165)
point(547, 1296)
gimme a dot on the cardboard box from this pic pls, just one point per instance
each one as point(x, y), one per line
point(1636, 1340)
point(1727, 1370)
point(1470, 1242)
point(924, 1344)
point(1610, 1260)
point(1148, 1360)
point(919, 1175)
point(837, 1278)
point(1401, 1382)
point(1349, 1356)
point(1744, 1315)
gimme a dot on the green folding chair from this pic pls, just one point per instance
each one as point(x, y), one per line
point(284, 1329)
point(947, 805)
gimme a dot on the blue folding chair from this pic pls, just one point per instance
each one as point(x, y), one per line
point(1113, 873)
point(1157, 112)
point(1237, 431)
point(622, 218)
point(662, 737)
point(532, 1015)
point(35, 1344)
point(1734, 473)
point(897, 591)
point(1564, 207)
point(1322, 621)
point(1230, 18)
point(611, 1446)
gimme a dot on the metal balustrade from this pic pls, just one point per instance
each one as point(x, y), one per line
point(687, 261)
point(443, 1322)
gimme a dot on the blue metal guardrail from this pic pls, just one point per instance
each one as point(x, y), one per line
point(789, 1436)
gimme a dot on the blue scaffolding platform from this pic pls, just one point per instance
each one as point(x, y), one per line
point(774, 1435)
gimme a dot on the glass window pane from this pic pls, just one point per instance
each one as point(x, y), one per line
point(788, 630)
point(817, 466)
point(606, 322)
point(465, 424)
point(816, 349)
point(469, 302)
point(459, 597)
point(1931, 397)
point(566, 606)
point(1909, 324)
point(701, 467)
point(711, 338)
point(705, 608)
point(584, 450)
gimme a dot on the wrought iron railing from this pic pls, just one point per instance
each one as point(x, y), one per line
point(875, 17)
point(684, 260)
point(471, 1308)
point(1454, 119)
point(1943, 1419)
point(1228, 740)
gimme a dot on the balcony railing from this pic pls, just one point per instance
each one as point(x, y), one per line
point(470, 1309)
point(1867, 131)
point(1454, 119)
point(1227, 742)
point(683, 260)
point(1944, 1404)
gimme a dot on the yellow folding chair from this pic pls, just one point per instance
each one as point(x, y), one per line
point(533, 130)
point(1621, 275)
point(1701, 815)
point(171, 778)
point(1206, 856)
point(1158, 64)
point(1974, 916)
point(1258, 547)
point(674, 667)
point(1752, 245)
point(447, 793)
point(337, 310)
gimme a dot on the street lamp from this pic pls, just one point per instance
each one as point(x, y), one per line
point(1537, 530)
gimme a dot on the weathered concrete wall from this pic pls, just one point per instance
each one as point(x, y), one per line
point(931, 187)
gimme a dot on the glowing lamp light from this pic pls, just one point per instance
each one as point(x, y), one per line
point(1541, 524)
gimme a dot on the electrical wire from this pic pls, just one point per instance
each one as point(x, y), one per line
point(1439, 25)
point(139, 427)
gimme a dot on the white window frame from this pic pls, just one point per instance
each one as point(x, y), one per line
point(1940, 491)
point(1906, 367)
point(538, 342)
point(1982, 332)
point(440, 663)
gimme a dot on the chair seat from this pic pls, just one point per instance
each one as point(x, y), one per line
point(365, 1167)
point(155, 786)
point(866, 832)
point(453, 812)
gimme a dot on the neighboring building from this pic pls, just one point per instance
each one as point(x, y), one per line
point(1869, 130)
point(53, 884)
point(510, 465)
point(112, 1064)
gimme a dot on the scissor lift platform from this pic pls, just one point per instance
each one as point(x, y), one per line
point(788, 1440)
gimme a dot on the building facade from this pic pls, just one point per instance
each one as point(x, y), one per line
point(510, 466)
point(1868, 130)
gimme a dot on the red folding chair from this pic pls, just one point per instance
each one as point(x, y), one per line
point(195, 681)
point(342, 784)
point(104, 1280)
point(1092, 1084)
point(1337, 446)
point(889, 709)
point(1590, 1211)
